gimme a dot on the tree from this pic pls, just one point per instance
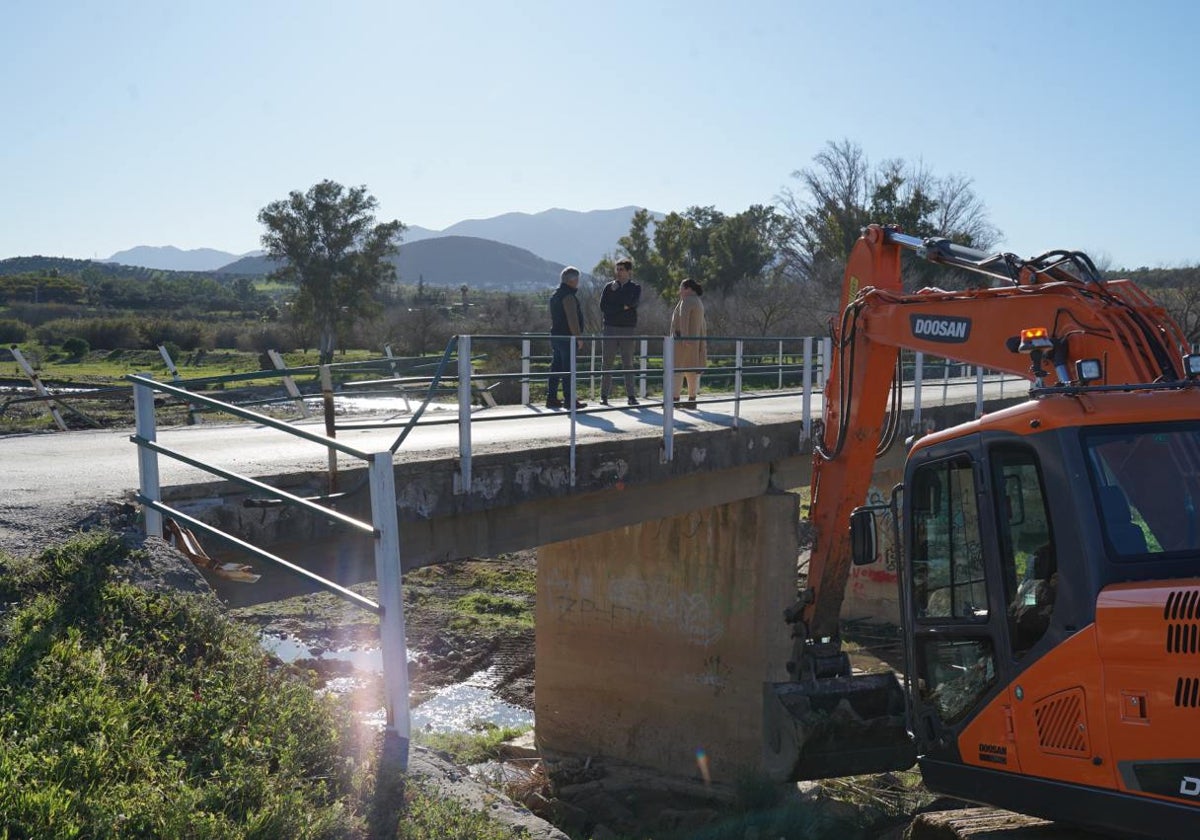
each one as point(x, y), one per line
point(331, 246)
point(842, 193)
point(722, 252)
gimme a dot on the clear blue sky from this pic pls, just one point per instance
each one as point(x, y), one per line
point(173, 123)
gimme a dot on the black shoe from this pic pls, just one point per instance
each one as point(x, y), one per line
point(688, 404)
point(604, 401)
point(554, 404)
point(580, 404)
point(633, 401)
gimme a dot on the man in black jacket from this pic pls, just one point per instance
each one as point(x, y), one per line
point(566, 320)
point(618, 305)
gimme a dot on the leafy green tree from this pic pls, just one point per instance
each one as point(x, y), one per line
point(333, 249)
point(722, 252)
point(638, 245)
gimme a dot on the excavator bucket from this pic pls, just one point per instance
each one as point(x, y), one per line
point(835, 726)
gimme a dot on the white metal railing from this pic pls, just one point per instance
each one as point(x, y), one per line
point(383, 528)
point(786, 366)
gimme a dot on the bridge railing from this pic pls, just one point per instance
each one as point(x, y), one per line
point(383, 527)
point(482, 370)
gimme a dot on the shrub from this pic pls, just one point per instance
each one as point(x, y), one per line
point(149, 715)
point(76, 347)
point(13, 332)
point(105, 333)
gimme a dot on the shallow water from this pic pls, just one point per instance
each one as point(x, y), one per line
point(455, 708)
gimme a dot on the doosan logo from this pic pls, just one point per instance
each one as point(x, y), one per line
point(941, 328)
point(1190, 786)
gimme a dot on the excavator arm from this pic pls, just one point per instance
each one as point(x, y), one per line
point(1035, 318)
point(1084, 318)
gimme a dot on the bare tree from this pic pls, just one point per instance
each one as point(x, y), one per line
point(841, 193)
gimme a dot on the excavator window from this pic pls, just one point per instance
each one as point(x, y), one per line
point(1147, 485)
point(949, 589)
point(947, 565)
point(1028, 560)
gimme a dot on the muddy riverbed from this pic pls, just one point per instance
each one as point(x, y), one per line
point(463, 619)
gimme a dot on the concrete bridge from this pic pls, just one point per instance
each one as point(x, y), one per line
point(667, 541)
point(661, 583)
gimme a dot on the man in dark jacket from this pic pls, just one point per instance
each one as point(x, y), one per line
point(566, 320)
point(618, 305)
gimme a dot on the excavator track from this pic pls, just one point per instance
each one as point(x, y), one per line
point(991, 824)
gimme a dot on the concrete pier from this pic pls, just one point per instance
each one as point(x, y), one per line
point(654, 639)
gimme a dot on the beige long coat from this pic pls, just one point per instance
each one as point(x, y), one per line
point(688, 320)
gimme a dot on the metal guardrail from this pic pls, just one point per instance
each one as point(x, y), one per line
point(383, 528)
point(750, 368)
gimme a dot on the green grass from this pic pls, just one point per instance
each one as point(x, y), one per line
point(109, 367)
point(470, 747)
point(483, 610)
point(125, 713)
point(427, 817)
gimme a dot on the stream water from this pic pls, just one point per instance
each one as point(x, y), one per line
point(455, 708)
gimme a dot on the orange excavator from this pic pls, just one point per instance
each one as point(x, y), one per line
point(1048, 553)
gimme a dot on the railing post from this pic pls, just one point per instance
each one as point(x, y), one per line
point(387, 351)
point(918, 376)
point(669, 398)
point(806, 400)
point(289, 384)
point(330, 423)
point(592, 368)
point(193, 413)
point(779, 387)
point(392, 644)
point(574, 399)
point(826, 357)
point(643, 362)
point(143, 411)
point(737, 382)
point(39, 387)
point(978, 392)
point(526, 348)
point(464, 414)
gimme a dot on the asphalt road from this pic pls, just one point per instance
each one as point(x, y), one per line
point(55, 468)
point(51, 470)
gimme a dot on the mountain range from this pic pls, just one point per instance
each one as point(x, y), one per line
point(561, 237)
point(449, 261)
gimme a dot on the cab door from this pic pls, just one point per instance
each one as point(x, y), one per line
point(951, 593)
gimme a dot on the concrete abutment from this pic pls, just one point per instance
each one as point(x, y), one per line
point(654, 639)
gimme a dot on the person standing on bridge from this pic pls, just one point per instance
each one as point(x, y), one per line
point(618, 305)
point(691, 347)
point(566, 325)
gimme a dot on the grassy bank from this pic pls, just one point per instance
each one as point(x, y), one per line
point(130, 714)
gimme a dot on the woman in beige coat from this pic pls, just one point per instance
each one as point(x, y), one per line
point(691, 351)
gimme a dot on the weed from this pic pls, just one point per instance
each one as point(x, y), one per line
point(426, 816)
point(470, 747)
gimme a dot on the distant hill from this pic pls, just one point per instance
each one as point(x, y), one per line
point(568, 237)
point(451, 261)
point(564, 237)
point(170, 258)
point(67, 266)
